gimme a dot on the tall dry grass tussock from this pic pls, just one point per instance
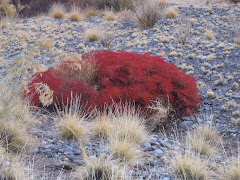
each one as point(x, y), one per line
point(75, 14)
point(73, 121)
point(189, 167)
point(100, 168)
point(57, 11)
point(15, 118)
point(204, 140)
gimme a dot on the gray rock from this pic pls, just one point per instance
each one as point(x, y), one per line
point(140, 167)
point(54, 147)
point(146, 145)
point(59, 165)
point(33, 151)
point(186, 118)
point(186, 125)
point(158, 151)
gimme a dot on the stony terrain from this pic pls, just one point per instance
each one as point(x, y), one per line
point(214, 63)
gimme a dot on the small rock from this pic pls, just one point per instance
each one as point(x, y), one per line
point(54, 147)
point(158, 151)
point(154, 143)
point(59, 165)
point(140, 167)
point(186, 125)
point(39, 135)
point(33, 151)
point(186, 118)
point(146, 145)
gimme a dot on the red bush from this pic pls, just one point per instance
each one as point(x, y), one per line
point(141, 78)
point(124, 76)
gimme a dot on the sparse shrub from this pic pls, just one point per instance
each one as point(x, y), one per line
point(236, 28)
point(171, 13)
point(184, 30)
point(93, 35)
point(74, 68)
point(125, 15)
point(148, 14)
point(57, 11)
point(106, 39)
point(124, 76)
point(91, 12)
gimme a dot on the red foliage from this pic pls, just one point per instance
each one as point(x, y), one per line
point(142, 78)
point(124, 76)
point(63, 90)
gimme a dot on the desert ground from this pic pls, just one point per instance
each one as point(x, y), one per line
point(52, 141)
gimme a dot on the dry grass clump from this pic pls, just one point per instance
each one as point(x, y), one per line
point(110, 16)
point(72, 121)
point(236, 27)
point(162, 3)
point(125, 15)
point(3, 24)
point(103, 126)
point(15, 117)
point(148, 14)
point(232, 171)
point(75, 14)
point(209, 34)
point(236, 121)
point(14, 167)
point(162, 113)
point(128, 124)
point(13, 135)
point(57, 11)
point(171, 13)
point(204, 140)
point(123, 149)
point(189, 167)
point(93, 34)
point(100, 168)
point(77, 70)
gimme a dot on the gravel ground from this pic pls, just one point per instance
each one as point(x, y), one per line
point(214, 63)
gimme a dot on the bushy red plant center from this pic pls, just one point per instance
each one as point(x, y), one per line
point(124, 76)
